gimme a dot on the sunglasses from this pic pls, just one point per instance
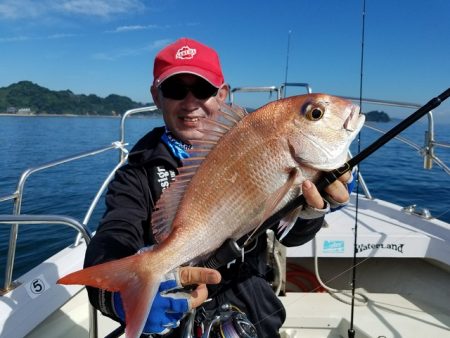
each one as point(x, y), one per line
point(177, 90)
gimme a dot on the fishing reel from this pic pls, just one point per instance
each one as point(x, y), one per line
point(226, 322)
point(229, 322)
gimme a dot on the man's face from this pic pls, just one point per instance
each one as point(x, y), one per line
point(183, 117)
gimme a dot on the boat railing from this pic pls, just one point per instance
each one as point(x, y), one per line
point(126, 115)
point(17, 195)
point(268, 89)
point(294, 84)
point(427, 150)
point(17, 220)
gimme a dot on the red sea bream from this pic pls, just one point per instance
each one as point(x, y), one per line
point(228, 187)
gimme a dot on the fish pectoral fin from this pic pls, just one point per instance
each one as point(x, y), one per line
point(276, 197)
point(287, 223)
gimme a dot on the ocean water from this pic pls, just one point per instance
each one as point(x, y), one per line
point(394, 173)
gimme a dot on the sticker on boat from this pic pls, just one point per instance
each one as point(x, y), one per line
point(37, 286)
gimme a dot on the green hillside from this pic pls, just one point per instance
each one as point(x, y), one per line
point(40, 100)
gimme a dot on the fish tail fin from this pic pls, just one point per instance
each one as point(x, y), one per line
point(137, 290)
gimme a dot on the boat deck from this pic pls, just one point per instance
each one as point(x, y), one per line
point(406, 298)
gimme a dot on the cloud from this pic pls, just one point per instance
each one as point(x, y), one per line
point(158, 44)
point(131, 28)
point(31, 38)
point(19, 9)
point(118, 54)
point(15, 38)
point(60, 36)
point(12, 9)
point(103, 8)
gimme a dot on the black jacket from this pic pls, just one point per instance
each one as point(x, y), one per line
point(125, 228)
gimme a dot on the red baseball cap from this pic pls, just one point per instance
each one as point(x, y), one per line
point(188, 56)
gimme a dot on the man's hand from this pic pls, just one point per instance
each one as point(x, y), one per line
point(198, 276)
point(172, 302)
point(337, 191)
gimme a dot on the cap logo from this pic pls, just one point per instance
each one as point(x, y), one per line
point(185, 53)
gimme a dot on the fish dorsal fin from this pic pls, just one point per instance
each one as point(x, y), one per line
point(230, 115)
point(213, 129)
point(223, 120)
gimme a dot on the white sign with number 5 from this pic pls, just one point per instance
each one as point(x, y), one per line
point(37, 286)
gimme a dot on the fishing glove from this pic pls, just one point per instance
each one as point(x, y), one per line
point(168, 308)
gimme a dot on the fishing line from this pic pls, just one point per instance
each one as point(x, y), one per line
point(287, 57)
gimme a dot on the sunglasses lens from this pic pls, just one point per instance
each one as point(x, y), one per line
point(173, 90)
point(203, 90)
point(177, 90)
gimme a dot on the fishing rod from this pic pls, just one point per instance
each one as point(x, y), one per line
point(351, 331)
point(233, 249)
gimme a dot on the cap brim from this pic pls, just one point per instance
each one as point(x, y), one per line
point(204, 74)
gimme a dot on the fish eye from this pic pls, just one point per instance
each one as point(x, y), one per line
point(314, 114)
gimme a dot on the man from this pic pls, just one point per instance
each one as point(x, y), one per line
point(188, 85)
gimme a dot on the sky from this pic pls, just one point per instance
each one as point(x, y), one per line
point(107, 47)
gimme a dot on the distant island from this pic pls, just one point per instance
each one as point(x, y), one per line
point(377, 116)
point(28, 98)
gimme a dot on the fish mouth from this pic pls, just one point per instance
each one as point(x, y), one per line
point(351, 123)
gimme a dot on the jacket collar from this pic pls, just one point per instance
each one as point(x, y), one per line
point(150, 148)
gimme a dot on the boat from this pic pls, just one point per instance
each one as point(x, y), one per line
point(402, 260)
